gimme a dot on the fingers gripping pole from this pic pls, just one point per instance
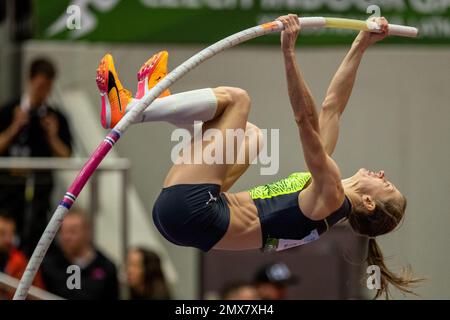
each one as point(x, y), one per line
point(115, 134)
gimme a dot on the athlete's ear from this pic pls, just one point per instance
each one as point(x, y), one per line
point(368, 203)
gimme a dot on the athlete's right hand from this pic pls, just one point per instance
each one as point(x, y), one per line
point(369, 38)
point(290, 33)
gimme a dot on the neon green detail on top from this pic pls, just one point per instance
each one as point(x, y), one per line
point(295, 182)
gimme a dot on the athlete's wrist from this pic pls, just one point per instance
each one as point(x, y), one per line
point(360, 44)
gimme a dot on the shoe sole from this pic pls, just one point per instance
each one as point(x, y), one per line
point(102, 85)
point(102, 76)
point(148, 67)
point(145, 72)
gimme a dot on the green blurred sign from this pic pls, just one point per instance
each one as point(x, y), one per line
point(206, 21)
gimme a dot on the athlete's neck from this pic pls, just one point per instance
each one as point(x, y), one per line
point(351, 190)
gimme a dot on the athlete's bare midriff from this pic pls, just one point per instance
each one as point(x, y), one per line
point(244, 230)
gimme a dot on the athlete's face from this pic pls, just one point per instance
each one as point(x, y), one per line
point(376, 185)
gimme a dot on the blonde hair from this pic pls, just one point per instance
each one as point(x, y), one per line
point(386, 216)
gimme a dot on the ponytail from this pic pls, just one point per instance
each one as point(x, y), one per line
point(402, 282)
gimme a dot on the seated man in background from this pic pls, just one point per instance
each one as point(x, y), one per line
point(12, 261)
point(29, 127)
point(272, 281)
point(239, 291)
point(97, 276)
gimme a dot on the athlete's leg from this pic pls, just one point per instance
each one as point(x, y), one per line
point(233, 106)
point(179, 109)
point(250, 149)
point(182, 109)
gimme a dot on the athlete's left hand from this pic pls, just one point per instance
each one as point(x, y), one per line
point(290, 33)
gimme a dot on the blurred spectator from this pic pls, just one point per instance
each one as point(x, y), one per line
point(145, 277)
point(98, 278)
point(29, 127)
point(272, 281)
point(12, 261)
point(239, 291)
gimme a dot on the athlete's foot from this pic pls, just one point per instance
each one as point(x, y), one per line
point(151, 72)
point(115, 98)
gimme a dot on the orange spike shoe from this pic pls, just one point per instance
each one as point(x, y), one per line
point(115, 98)
point(151, 72)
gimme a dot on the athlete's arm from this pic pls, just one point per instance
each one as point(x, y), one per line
point(341, 86)
point(325, 192)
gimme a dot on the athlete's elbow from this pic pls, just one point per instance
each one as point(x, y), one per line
point(331, 108)
point(303, 121)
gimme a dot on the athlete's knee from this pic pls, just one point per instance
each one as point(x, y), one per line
point(239, 95)
point(229, 96)
point(223, 96)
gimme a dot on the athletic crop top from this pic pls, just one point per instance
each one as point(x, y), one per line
point(283, 224)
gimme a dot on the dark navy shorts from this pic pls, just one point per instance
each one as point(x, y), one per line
point(193, 215)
